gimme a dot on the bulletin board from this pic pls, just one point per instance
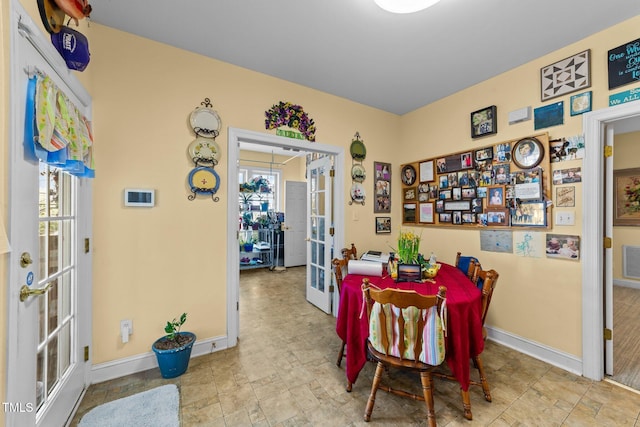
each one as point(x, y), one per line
point(506, 185)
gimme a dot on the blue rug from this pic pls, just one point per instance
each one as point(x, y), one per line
point(158, 407)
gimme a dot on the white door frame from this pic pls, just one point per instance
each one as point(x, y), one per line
point(235, 137)
point(593, 223)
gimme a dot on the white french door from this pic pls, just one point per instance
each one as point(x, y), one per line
point(320, 240)
point(49, 293)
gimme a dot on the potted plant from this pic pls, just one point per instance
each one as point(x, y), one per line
point(173, 350)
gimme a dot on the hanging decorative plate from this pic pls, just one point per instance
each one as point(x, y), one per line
point(203, 180)
point(358, 173)
point(357, 193)
point(205, 150)
point(358, 150)
point(52, 16)
point(205, 122)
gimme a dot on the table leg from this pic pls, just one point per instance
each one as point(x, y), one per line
point(466, 404)
point(349, 387)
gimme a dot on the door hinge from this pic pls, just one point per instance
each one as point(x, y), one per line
point(608, 334)
point(607, 242)
point(86, 353)
point(608, 150)
point(331, 288)
point(332, 172)
point(87, 245)
point(332, 231)
point(237, 305)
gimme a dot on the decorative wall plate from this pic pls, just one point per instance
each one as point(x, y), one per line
point(358, 174)
point(205, 122)
point(204, 149)
point(357, 193)
point(358, 150)
point(203, 180)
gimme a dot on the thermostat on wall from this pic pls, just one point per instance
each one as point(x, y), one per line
point(139, 197)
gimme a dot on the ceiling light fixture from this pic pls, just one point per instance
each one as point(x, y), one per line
point(405, 6)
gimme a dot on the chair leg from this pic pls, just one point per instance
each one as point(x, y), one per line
point(377, 377)
point(483, 379)
point(427, 390)
point(466, 404)
point(340, 354)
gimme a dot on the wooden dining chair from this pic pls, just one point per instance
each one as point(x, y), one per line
point(339, 265)
point(467, 264)
point(488, 279)
point(349, 253)
point(420, 348)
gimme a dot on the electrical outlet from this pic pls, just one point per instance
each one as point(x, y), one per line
point(128, 324)
point(565, 217)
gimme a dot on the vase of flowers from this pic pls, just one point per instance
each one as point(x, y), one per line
point(408, 247)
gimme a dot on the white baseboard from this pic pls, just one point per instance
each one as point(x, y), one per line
point(557, 358)
point(627, 283)
point(142, 362)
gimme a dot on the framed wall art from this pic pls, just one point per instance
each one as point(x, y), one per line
point(383, 225)
point(580, 103)
point(408, 175)
point(568, 75)
point(563, 246)
point(548, 115)
point(382, 187)
point(426, 171)
point(529, 214)
point(496, 196)
point(426, 213)
point(484, 122)
point(527, 153)
point(626, 197)
point(409, 213)
point(566, 196)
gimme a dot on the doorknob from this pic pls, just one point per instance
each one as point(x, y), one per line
point(26, 292)
point(25, 259)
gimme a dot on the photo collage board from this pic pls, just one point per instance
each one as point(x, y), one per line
point(502, 186)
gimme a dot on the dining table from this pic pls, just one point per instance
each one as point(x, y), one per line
point(463, 339)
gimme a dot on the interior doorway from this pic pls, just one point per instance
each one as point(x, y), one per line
point(236, 138)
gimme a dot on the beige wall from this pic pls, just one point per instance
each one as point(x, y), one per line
point(150, 265)
point(626, 155)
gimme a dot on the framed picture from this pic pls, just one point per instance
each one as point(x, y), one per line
point(408, 175)
point(409, 213)
point(498, 216)
point(566, 196)
point(409, 273)
point(469, 193)
point(527, 153)
point(382, 187)
point(484, 154)
point(463, 205)
point(476, 205)
point(623, 66)
point(456, 217)
point(439, 206)
point(426, 171)
point(528, 184)
point(423, 197)
point(468, 218)
point(410, 193)
point(445, 195)
point(502, 152)
point(626, 197)
point(580, 103)
point(444, 181)
point(456, 193)
point(496, 196)
point(548, 115)
point(501, 173)
point(383, 225)
point(484, 122)
point(529, 214)
point(426, 213)
point(444, 217)
point(568, 75)
point(563, 246)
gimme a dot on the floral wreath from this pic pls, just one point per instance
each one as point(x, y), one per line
point(288, 114)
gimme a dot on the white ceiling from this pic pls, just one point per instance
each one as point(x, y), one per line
point(353, 49)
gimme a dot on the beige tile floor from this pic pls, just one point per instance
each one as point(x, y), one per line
point(283, 373)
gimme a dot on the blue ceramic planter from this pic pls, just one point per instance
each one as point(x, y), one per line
point(174, 362)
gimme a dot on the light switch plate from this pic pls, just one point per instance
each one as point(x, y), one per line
point(565, 217)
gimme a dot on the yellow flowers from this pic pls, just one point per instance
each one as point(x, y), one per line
point(408, 247)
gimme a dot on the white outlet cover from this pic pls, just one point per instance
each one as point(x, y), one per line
point(565, 218)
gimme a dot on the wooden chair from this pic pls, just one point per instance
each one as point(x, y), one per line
point(339, 267)
point(487, 279)
point(467, 264)
point(401, 299)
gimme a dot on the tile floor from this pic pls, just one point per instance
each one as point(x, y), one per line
point(283, 373)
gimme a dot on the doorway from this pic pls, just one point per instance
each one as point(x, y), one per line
point(235, 138)
point(596, 276)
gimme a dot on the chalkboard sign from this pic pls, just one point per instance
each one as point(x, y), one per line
point(624, 64)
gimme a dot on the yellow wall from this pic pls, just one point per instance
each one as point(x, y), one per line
point(626, 155)
point(150, 265)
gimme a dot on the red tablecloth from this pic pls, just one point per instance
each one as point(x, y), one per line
point(464, 325)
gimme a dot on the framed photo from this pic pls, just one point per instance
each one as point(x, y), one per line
point(568, 75)
point(498, 216)
point(469, 193)
point(456, 217)
point(529, 214)
point(444, 217)
point(496, 196)
point(502, 152)
point(484, 122)
point(481, 192)
point(501, 173)
point(441, 165)
point(426, 171)
point(409, 213)
point(426, 213)
point(456, 193)
point(410, 193)
point(408, 175)
point(626, 197)
point(476, 205)
point(527, 153)
point(563, 246)
point(382, 187)
point(383, 225)
point(528, 184)
point(439, 206)
point(409, 273)
point(484, 154)
point(444, 181)
point(463, 205)
point(423, 197)
point(566, 196)
point(468, 218)
point(445, 195)
point(580, 103)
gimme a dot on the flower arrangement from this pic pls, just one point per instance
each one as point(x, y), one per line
point(258, 184)
point(632, 195)
point(408, 247)
point(288, 114)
